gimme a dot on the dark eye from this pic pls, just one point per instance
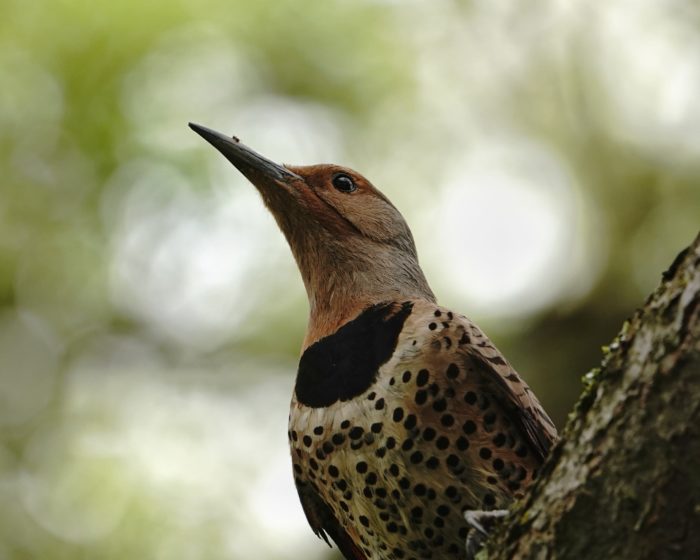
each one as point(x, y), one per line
point(344, 183)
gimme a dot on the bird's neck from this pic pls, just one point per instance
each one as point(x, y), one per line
point(340, 291)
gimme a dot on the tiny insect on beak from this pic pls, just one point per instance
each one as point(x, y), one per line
point(246, 160)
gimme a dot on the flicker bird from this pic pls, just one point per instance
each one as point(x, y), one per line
point(404, 415)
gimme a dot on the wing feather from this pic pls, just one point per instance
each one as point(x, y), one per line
point(325, 524)
point(496, 377)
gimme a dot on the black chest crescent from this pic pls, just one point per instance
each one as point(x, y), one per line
point(344, 364)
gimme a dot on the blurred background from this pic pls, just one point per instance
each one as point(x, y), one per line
point(546, 154)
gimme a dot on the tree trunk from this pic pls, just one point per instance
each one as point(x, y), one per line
point(624, 480)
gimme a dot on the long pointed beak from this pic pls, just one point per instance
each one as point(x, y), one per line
point(246, 160)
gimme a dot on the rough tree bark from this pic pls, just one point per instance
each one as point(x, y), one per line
point(624, 481)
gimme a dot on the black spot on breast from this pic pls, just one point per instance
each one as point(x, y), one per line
point(452, 371)
point(485, 453)
point(422, 378)
point(344, 365)
point(440, 405)
point(452, 460)
point(442, 443)
point(356, 432)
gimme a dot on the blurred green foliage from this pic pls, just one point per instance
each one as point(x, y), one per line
point(151, 316)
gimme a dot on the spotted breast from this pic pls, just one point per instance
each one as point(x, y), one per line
point(403, 419)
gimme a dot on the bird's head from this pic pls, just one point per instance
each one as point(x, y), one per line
point(352, 246)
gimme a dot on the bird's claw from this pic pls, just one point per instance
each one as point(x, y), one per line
point(481, 523)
